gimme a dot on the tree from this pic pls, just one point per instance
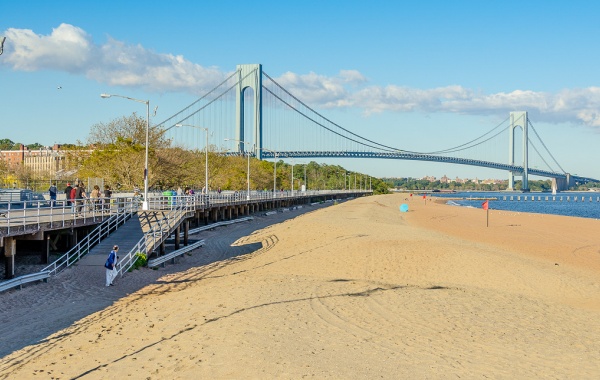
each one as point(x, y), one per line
point(119, 154)
point(6, 144)
point(128, 128)
point(34, 146)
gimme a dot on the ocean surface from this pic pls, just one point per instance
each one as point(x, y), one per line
point(579, 204)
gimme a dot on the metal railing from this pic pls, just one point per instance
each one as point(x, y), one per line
point(156, 235)
point(217, 224)
point(171, 256)
point(22, 280)
point(34, 214)
point(91, 240)
point(62, 213)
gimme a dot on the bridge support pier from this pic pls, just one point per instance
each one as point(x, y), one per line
point(73, 238)
point(46, 251)
point(177, 236)
point(10, 251)
point(518, 119)
point(186, 232)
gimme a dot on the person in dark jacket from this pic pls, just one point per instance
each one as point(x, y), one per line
point(107, 194)
point(80, 196)
point(68, 193)
point(111, 266)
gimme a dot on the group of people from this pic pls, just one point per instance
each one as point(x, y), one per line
point(76, 196)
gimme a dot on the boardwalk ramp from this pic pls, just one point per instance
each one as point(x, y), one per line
point(126, 237)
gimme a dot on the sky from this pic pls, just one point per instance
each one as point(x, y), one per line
point(428, 74)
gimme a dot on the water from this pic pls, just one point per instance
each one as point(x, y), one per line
point(579, 208)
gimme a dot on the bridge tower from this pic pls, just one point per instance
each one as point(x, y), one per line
point(518, 119)
point(249, 77)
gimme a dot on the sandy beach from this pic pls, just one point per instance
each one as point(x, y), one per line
point(357, 290)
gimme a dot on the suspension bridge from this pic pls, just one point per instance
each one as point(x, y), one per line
point(266, 121)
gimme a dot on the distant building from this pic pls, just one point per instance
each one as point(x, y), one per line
point(46, 161)
point(13, 158)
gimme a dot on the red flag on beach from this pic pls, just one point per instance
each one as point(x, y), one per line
point(424, 196)
point(485, 205)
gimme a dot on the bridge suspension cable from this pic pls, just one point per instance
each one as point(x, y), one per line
point(545, 147)
point(198, 101)
point(540, 156)
point(464, 146)
point(368, 142)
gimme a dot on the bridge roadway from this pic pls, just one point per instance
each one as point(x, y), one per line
point(400, 155)
point(60, 227)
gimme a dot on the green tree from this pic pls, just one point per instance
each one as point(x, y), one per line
point(6, 144)
point(35, 146)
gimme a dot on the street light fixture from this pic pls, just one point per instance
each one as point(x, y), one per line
point(248, 154)
point(206, 156)
point(147, 103)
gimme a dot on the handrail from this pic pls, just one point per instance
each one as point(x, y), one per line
point(61, 213)
point(22, 280)
point(35, 214)
point(93, 238)
point(162, 259)
point(154, 236)
point(218, 224)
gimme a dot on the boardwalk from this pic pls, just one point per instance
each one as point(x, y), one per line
point(64, 226)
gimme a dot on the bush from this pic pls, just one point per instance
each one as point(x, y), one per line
point(140, 261)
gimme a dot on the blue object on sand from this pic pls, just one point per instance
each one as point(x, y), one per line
point(404, 207)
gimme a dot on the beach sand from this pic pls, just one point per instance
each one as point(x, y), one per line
point(353, 291)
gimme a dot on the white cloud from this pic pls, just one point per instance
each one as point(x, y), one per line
point(67, 48)
point(71, 49)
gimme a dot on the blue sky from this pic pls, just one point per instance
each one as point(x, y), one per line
point(431, 74)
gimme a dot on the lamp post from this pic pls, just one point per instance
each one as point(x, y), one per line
point(293, 177)
point(305, 184)
point(147, 103)
point(206, 152)
point(248, 174)
point(274, 170)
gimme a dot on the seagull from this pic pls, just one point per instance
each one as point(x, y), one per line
point(59, 88)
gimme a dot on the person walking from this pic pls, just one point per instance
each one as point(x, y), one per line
point(52, 191)
point(68, 193)
point(95, 197)
point(107, 194)
point(80, 197)
point(111, 266)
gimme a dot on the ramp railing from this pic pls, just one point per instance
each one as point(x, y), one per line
point(158, 233)
point(92, 239)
